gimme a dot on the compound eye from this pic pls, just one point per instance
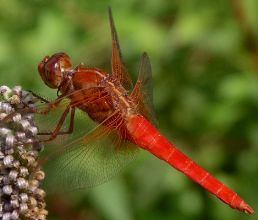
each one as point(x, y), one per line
point(41, 66)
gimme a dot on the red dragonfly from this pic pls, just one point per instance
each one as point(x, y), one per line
point(123, 120)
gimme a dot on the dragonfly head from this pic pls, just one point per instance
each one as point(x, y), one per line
point(54, 69)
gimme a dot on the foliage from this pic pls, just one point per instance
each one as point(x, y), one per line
point(204, 56)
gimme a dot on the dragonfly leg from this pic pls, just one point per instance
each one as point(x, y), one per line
point(50, 105)
point(10, 116)
point(39, 97)
point(71, 124)
point(57, 131)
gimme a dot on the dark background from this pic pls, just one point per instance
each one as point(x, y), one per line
point(204, 56)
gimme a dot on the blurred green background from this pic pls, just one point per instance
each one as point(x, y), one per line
point(204, 56)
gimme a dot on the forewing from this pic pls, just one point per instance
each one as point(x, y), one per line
point(90, 156)
point(119, 70)
point(142, 93)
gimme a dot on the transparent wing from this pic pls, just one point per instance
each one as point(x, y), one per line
point(142, 93)
point(88, 160)
point(89, 156)
point(119, 70)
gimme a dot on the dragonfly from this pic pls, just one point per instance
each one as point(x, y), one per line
point(122, 119)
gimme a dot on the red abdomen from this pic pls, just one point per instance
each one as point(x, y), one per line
point(144, 134)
